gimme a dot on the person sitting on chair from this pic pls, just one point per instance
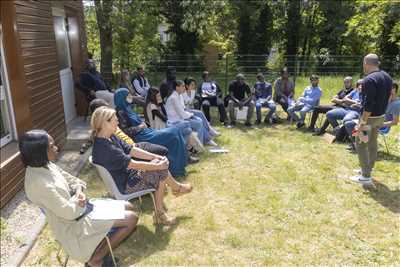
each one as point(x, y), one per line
point(240, 96)
point(125, 82)
point(350, 110)
point(92, 82)
point(337, 101)
point(60, 196)
point(146, 146)
point(284, 90)
point(263, 97)
point(140, 83)
point(307, 102)
point(131, 175)
point(209, 95)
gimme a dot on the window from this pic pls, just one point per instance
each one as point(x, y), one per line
point(5, 107)
point(61, 42)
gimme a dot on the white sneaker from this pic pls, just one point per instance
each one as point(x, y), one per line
point(195, 142)
point(214, 132)
point(362, 180)
point(212, 143)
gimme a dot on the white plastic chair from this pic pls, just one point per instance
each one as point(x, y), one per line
point(113, 189)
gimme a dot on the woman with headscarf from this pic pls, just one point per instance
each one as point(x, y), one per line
point(134, 127)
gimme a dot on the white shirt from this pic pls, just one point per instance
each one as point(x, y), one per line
point(188, 99)
point(176, 108)
point(142, 90)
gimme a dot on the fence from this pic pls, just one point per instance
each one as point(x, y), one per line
point(223, 68)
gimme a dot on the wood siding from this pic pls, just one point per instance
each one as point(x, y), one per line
point(33, 71)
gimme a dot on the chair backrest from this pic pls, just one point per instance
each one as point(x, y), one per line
point(384, 130)
point(107, 179)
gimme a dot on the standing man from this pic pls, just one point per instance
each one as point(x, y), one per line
point(210, 95)
point(240, 95)
point(93, 83)
point(377, 87)
point(140, 82)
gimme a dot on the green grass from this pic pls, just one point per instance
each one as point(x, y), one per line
point(279, 197)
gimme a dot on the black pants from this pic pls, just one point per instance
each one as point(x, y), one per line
point(152, 148)
point(317, 110)
point(283, 102)
point(214, 102)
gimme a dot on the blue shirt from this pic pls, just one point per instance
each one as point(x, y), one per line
point(312, 95)
point(263, 89)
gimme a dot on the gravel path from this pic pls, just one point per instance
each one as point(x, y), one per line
point(19, 216)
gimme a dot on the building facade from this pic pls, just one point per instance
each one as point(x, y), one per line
point(43, 48)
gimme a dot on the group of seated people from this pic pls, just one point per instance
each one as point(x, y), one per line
point(148, 154)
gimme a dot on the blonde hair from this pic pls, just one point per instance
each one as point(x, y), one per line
point(99, 116)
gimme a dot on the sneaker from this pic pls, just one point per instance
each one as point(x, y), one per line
point(193, 159)
point(211, 143)
point(362, 180)
point(214, 132)
point(258, 122)
point(248, 124)
point(318, 133)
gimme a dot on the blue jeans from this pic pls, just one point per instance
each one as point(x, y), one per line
point(183, 126)
point(350, 125)
point(269, 104)
point(302, 108)
point(197, 125)
point(341, 114)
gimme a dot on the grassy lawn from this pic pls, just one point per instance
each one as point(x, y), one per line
point(279, 197)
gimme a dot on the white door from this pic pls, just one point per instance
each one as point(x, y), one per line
point(64, 61)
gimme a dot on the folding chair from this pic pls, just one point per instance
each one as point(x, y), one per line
point(384, 131)
point(112, 187)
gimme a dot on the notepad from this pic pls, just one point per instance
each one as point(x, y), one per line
point(241, 114)
point(107, 209)
point(218, 150)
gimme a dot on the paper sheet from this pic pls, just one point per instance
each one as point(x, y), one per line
point(107, 209)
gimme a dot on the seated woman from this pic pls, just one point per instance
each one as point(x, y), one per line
point(146, 146)
point(131, 124)
point(176, 113)
point(158, 120)
point(130, 175)
point(61, 198)
point(188, 98)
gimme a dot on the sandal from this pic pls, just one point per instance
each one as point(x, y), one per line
point(163, 218)
point(182, 189)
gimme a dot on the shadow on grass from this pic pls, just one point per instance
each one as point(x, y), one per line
point(383, 155)
point(144, 242)
point(389, 199)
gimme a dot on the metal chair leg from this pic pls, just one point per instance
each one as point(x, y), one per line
point(154, 202)
point(111, 251)
point(384, 140)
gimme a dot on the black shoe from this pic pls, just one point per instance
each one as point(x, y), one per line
point(300, 124)
point(275, 120)
point(248, 124)
point(311, 129)
point(318, 133)
point(267, 121)
point(258, 122)
point(108, 261)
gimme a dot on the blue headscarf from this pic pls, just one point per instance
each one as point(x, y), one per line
point(121, 104)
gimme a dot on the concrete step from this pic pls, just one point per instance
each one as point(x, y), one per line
point(78, 133)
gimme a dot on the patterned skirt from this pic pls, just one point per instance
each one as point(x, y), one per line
point(147, 180)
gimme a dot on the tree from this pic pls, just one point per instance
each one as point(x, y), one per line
point(103, 14)
point(293, 32)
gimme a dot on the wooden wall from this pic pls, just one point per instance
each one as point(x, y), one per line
point(31, 59)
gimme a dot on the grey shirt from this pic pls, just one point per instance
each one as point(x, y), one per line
point(393, 110)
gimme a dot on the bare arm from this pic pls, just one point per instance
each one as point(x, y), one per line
point(154, 165)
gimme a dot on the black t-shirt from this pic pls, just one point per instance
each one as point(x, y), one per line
point(377, 87)
point(342, 93)
point(239, 90)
